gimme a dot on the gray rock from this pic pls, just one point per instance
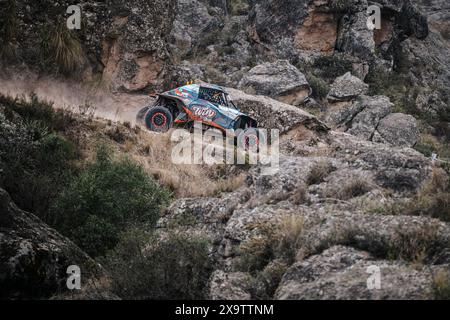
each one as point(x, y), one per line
point(370, 118)
point(399, 169)
point(373, 109)
point(272, 114)
point(342, 273)
point(347, 87)
point(279, 80)
point(230, 286)
point(398, 129)
point(354, 36)
point(35, 259)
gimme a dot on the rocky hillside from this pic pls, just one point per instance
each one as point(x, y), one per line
point(360, 114)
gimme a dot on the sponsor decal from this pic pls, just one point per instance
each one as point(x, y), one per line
point(204, 112)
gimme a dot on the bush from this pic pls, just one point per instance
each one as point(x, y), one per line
point(105, 199)
point(8, 31)
point(418, 246)
point(238, 7)
point(319, 87)
point(34, 164)
point(175, 267)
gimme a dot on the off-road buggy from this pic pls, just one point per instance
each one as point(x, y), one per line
point(205, 103)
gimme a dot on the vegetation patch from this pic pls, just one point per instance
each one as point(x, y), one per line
point(441, 285)
point(175, 266)
point(106, 198)
point(61, 49)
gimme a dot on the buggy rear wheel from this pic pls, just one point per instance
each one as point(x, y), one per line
point(159, 119)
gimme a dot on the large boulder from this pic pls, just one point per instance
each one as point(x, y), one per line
point(373, 109)
point(34, 259)
point(192, 21)
point(279, 80)
point(272, 114)
point(347, 87)
point(398, 129)
point(360, 117)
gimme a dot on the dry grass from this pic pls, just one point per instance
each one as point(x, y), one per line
point(319, 172)
point(287, 236)
point(433, 200)
point(354, 188)
point(154, 153)
point(280, 240)
point(417, 246)
point(441, 285)
point(434, 197)
point(62, 49)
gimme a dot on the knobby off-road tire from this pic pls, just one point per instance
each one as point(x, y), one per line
point(159, 119)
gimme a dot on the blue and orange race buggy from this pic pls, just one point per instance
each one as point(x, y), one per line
point(205, 103)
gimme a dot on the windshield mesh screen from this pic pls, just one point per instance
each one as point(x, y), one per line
point(212, 95)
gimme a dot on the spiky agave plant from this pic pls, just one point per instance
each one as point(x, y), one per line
point(62, 50)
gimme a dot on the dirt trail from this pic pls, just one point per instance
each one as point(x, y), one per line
point(72, 95)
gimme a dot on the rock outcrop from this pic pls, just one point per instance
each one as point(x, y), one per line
point(272, 114)
point(346, 88)
point(343, 273)
point(337, 240)
point(370, 118)
point(340, 193)
point(35, 258)
point(398, 129)
point(279, 80)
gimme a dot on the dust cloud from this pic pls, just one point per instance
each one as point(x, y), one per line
point(74, 95)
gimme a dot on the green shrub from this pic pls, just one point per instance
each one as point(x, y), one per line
point(106, 198)
point(33, 163)
point(144, 267)
point(320, 88)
